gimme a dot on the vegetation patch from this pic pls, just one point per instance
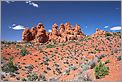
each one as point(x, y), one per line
point(101, 70)
point(24, 52)
point(107, 61)
point(119, 58)
point(108, 34)
point(50, 46)
point(31, 77)
point(9, 67)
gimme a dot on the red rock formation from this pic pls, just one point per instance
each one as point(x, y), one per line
point(99, 33)
point(66, 32)
point(33, 32)
point(62, 29)
point(26, 35)
point(54, 29)
point(41, 35)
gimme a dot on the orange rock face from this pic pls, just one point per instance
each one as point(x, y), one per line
point(33, 32)
point(26, 35)
point(64, 33)
point(41, 35)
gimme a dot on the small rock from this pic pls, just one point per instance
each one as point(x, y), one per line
point(93, 62)
point(12, 74)
point(2, 76)
point(53, 79)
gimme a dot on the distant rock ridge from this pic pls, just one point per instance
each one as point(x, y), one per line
point(64, 33)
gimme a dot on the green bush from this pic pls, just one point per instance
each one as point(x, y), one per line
point(24, 52)
point(101, 70)
point(63, 44)
point(108, 34)
point(9, 67)
point(50, 46)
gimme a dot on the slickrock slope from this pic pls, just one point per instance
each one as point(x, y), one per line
point(53, 60)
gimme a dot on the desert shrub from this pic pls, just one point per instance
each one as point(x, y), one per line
point(94, 52)
point(58, 70)
point(50, 46)
point(107, 61)
point(72, 68)
point(32, 77)
point(24, 52)
point(119, 58)
point(66, 72)
point(101, 70)
point(84, 67)
point(48, 68)
point(9, 67)
point(45, 71)
point(87, 38)
point(24, 79)
point(63, 44)
point(42, 77)
point(108, 34)
point(18, 46)
point(46, 58)
point(39, 47)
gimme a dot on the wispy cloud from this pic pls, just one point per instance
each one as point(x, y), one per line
point(17, 27)
point(28, 2)
point(116, 28)
point(106, 26)
point(32, 3)
point(9, 1)
point(49, 30)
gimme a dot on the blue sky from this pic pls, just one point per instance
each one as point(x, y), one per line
point(89, 15)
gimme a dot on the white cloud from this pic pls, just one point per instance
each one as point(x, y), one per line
point(14, 25)
point(106, 26)
point(32, 3)
point(35, 5)
point(49, 30)
point(17, 27)
point(116, 28)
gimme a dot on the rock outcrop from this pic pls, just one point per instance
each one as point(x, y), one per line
point(41, 35)
point(64, 33)
point(26, 35)
point(99, 33)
